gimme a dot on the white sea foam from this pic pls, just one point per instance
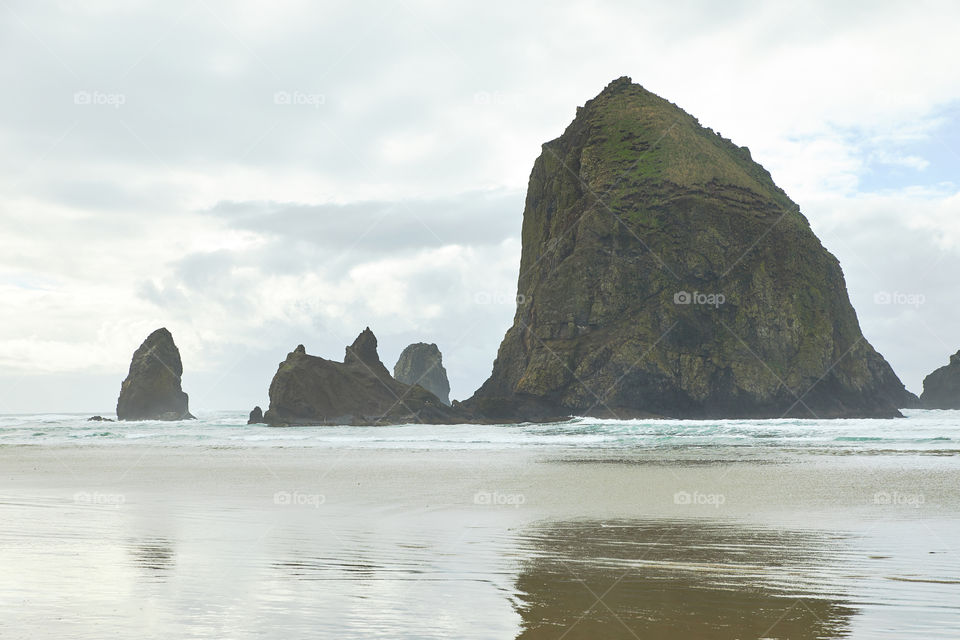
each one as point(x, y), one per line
point(920, 431)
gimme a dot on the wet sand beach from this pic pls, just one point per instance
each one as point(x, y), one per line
point(154, 541)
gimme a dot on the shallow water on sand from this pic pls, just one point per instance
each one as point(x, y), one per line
point(428, 534)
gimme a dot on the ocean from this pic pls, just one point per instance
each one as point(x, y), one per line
point(920, 433)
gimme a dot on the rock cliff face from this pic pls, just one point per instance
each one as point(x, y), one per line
point(663, 273)
point(422, 364)
point(308, 390)
point(941, 389)
point(152, 389)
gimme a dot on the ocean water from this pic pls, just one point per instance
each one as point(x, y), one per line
point(663, 529)
point(920, 432)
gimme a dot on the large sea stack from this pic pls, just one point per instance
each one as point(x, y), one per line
point(941, 389)
point(152, 389)
point(309, 390)
point(663, 273)
point(422, 364)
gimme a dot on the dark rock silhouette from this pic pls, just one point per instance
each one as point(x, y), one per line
point(151, 390)
point(363, 353)
point(663, 273)
point(941, 389)
point(256, 416)
point(309, 390)
point(98, 419)
point(422, 364)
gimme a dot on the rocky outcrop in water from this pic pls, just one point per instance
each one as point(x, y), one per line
point(663, 273)
point(151, 390)
point(309, 390)
point(941, 389)
point(256, 416)
point(422, 364)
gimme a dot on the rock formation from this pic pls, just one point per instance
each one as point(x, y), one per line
point(152, 390)
point(309, 390)
point(422, 364)
point(256, 416)
point(663, 273)
point(941, 389)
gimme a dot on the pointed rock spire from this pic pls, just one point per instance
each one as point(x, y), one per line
point(151, 390)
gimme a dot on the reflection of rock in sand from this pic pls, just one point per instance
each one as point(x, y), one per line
point(155, 554)
point(327, 568)
point(587, 580)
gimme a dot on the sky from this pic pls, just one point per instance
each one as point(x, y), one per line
point(256, 175)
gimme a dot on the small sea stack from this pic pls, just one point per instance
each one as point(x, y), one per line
point(151, 390)
point(310, 390)
point(941, 389)
point(421, 363)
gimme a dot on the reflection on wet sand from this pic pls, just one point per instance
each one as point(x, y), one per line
point(683, 580)
point(155, 554)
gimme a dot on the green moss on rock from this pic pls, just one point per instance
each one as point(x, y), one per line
point(636, 204)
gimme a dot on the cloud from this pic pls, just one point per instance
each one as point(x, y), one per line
point(152, 176)
point(899, 255)
point(476, 218)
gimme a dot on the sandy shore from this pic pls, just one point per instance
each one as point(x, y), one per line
point(539, 485)
point(130, 541)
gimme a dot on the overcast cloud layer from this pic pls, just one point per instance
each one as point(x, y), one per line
point(254, 175)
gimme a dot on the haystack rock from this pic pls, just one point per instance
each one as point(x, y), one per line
point(152, 389)
point(309, 390)
point(663, 273)
point(941, 389)
point(422, 364)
